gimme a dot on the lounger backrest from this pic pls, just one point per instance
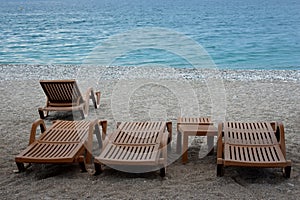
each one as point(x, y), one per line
point(249, 133)
point(61, 91)
point(138, 126)
point(140, 132)
point(67, 131)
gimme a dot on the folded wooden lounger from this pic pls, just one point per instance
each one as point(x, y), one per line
point(63, 142)
point(260, 144)
point(64, 95)
point(136, 144)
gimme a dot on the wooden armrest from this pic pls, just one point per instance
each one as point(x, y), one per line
point(87, 93)
point(100, 137)
point(164, 140)
point(35, 124)
point(280, 132)
point(95, 96)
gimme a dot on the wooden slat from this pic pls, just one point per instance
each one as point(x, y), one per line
point(194, 120)
point(241, 153)
point(253, 155)
point(115, 152)
point(264, 156)
point(250, 154)
point(249, 133)
point(124, 152)
point(246, 154)
point(50, 153)
point(61, 92)
point(63, 131)
point(120, 154)
point(138, 126)
point(275, 154)
point(134, 143)
point(141, 137)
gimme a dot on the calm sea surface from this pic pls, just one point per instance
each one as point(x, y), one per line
point(248, 34)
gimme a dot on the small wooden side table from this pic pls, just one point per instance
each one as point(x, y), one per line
point(194, 127)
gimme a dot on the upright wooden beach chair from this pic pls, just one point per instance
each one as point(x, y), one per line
point(259, 144)
point(136, 144)
point(64, 142)
point(64, 95)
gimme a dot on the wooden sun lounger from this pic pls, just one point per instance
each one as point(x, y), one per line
point(63, 142)
point(252, 145)
point(64, 95)
point(136, 144)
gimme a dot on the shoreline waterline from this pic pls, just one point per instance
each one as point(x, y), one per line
point(36, 72)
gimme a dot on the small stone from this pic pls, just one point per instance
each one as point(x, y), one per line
point(291, 184)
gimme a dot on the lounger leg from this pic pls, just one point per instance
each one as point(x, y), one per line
point(41, 113)
point(21, 167)
point(287, 172)
point(179, 143)
point(82, 165)
point(185, 149)
point(169, 145)
point(162, 172)
point(220, 170)
point(88, 157)
point(210, 145)
point(98, 168)
point(82, 114)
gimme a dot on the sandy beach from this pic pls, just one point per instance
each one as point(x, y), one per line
point(248, 96)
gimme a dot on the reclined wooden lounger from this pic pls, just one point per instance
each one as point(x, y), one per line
point(64, 95)
point(252, 145)
point(136, 144)
point(64, 142)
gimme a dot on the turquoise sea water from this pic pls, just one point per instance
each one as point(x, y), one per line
point(248, 34)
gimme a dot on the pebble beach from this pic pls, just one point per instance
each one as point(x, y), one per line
point(151, 94)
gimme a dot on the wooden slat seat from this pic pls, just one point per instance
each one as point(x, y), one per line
point(130, 154)
point(64, 95)
point(63, 142)
point(259, 155)
point(259, 144)
point(141, 132)
point(40, 152)
point(136, 144)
